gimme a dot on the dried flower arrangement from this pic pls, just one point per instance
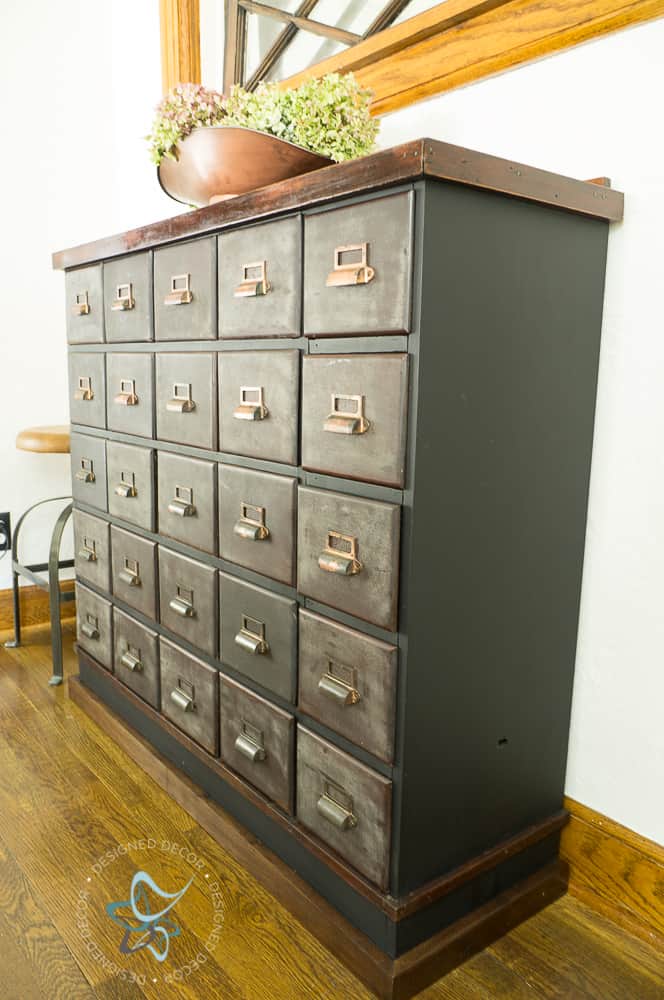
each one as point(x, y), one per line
point(329, 116)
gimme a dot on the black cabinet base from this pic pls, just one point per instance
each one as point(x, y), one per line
point(395, 958)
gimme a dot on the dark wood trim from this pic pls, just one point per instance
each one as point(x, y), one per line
point(34, 606)
point(401, 164)
point(277, 48)
point(616, 872)
point(391, 979)
point(304, 23)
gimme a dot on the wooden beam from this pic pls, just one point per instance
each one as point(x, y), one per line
point(279, 46)
point(313, 27)
point(462, 41)
point(180, 42)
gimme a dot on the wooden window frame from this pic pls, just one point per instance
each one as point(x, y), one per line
point(453, 44)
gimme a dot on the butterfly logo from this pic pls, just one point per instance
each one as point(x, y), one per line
point(135, 916)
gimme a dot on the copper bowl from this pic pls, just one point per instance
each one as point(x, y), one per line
point(220, 161)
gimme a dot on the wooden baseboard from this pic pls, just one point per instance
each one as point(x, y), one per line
point(616, 872)
point(390, 979)
point(34, 606)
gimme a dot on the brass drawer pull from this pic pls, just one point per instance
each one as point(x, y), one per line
point(183, 602)
point(90, 627)
point(127, 395)
point(182, 503)
point(250, 743)
point(86, 473)
point(130, 573)
point(81, 305)
point(132, 659)
point(252, 523)
point(127, 485)
point(350, 266)
point(335, 812)
point(254, 281)
point(84, 391)
point(340, 555)
point(346, 415)
point(180, 293)
point(183, 700)
point(251, 636)
point(181, 401)
point(124, 298)
point(88, 551)
point(251, 406)
point(337, 689)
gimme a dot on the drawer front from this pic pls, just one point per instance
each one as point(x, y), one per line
point(87, 389)
point(190, 695)
point(258, 741)
point(348, 554)
point(134, 571)
point(259, 634)
point(93, 625)
point(257, 521)
point(346, 804)
point(187, 399)
point(259, 404)
point(188, 599)
point(128, 298)
point(260, 280)
point(187, 500)
point(347, 680)
point(135, 657)
point(357, 268)
point(354, 416)
point(130, 393)
point(185, 291)
point(92, 549)
point(88, 470)
point(131, 483)
point(85, 305)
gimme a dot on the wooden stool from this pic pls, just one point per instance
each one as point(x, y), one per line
point(54, 441)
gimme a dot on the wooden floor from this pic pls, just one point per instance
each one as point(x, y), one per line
point(68, 794)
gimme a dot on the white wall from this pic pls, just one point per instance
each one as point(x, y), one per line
point(78, 79)
point(587, 112)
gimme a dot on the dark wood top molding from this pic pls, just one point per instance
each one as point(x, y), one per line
point(408, 162)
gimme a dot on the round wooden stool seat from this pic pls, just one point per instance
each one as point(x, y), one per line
point(53, 440)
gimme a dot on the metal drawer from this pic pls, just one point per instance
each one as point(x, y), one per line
point(93, 625)
point(134, 571)
point(130, 471)
point(87, 389)
point(348, 554)
point(190, 695)
point(130, 393)
point(354, 416)
point(258, 741)
point(187, 500)
point(88, 470)
point(135, 657)
point(128, 298)
point(85, 305)
point(188, 599)
point(92, 549)
point(187, 399)
point(259, 404)
point(260, 280)
point(346, 804)
point(257, 521)
point(185, 291)
point(347, 680)
point(357, 268)
point(259, 634)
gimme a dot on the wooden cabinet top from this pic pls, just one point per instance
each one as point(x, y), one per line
point(402, 164)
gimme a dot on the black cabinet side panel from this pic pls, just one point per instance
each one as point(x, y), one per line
point(509, 346)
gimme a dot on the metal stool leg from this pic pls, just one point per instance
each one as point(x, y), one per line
point(16, 641)
point(54, 593)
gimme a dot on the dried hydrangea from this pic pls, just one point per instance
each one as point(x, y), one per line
point(186, 107)
point(329, 116)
